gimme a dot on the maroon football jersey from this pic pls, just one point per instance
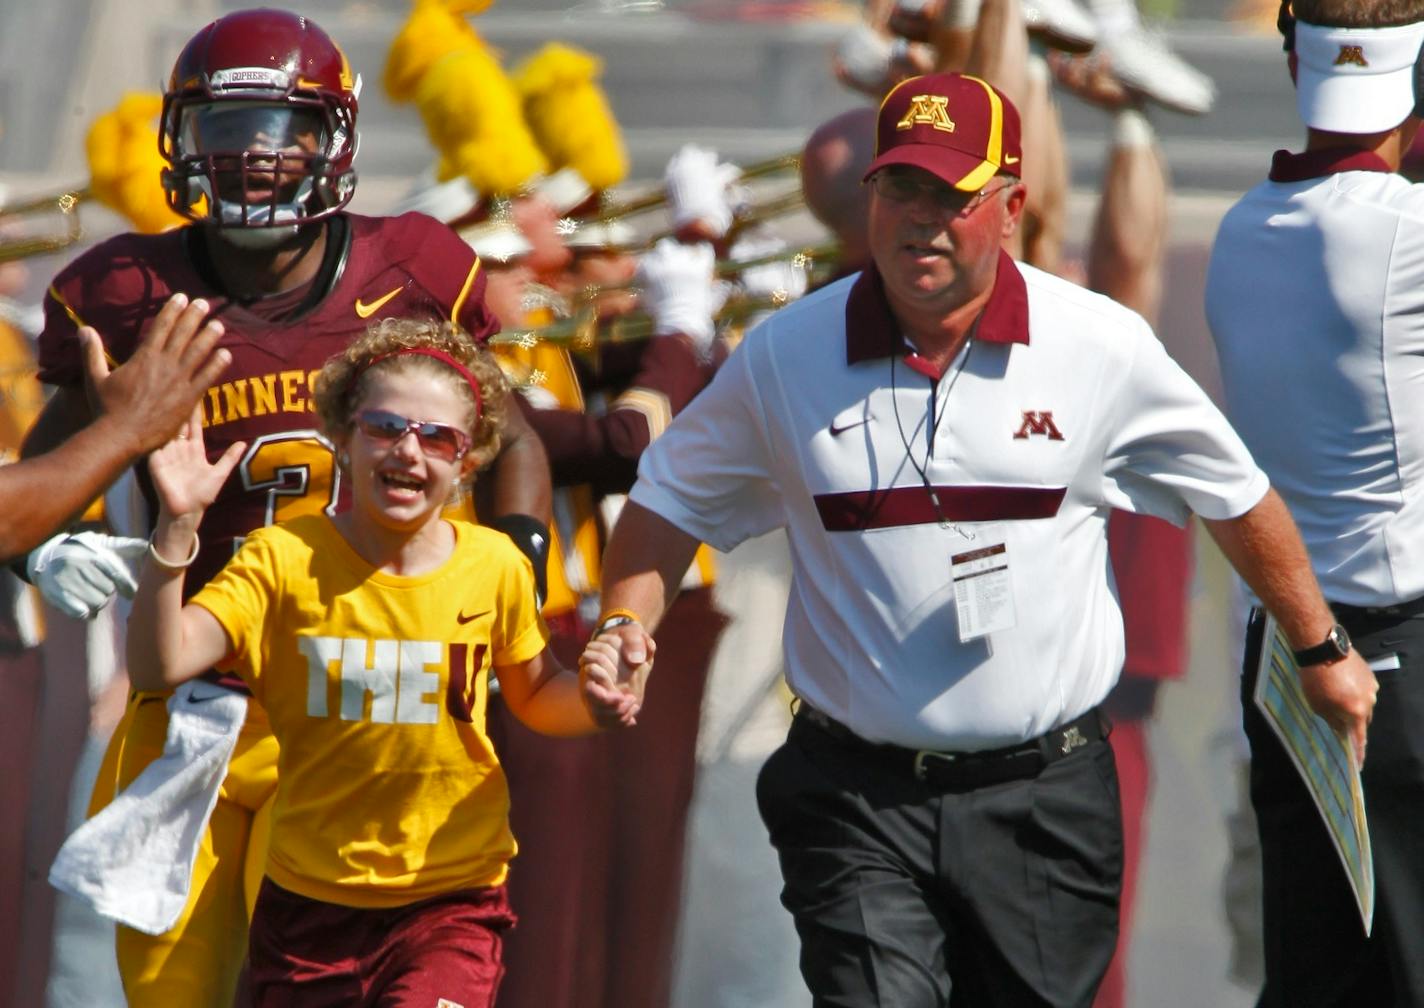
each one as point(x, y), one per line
point(410, 266)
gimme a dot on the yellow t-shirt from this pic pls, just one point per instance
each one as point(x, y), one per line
point(388, 790)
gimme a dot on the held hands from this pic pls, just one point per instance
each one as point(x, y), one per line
point(613, 674)
point(1343, 693)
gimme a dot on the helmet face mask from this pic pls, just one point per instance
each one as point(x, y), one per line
point(259, 124)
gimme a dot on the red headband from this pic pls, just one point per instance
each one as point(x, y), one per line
point(439, 355)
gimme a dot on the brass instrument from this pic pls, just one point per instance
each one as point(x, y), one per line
point(805, 257)
point(654, 200)
point(582, 330)
point(23, 245)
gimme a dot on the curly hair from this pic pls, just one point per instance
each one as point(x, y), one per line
point(344, 379)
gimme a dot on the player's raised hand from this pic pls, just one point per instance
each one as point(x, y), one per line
point(154, 391)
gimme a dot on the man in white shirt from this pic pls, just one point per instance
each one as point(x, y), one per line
point(943, 438)
point(1315, 296)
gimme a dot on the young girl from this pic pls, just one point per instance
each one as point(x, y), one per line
point(368, 636)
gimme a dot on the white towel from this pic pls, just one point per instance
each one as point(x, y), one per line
point(133, 862)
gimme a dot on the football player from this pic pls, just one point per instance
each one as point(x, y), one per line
point(259, 132)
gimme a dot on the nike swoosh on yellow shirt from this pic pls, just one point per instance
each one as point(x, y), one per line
point(365, 310)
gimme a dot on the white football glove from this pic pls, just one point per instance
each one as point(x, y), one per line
point(697, 188)
point(78, 573)
point(678, 292)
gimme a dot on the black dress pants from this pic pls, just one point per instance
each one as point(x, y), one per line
point(1317, 954)
point(904, 896)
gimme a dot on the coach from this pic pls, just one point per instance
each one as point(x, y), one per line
point(943, 437)
point(1315, 296)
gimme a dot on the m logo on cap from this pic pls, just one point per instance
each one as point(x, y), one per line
point(1351, 54)
point(927, 110)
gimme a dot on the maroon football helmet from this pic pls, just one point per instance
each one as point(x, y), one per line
point(259, 123)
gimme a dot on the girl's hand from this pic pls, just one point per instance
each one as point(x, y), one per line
point(185, 481)
point(610, 704)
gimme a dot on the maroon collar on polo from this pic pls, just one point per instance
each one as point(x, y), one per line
point(872, 331)
point(1288, 167)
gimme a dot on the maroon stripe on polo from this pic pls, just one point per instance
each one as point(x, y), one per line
point(911, 505)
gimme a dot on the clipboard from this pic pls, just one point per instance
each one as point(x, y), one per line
point(1325, 761)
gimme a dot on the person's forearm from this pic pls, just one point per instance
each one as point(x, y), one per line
point(42, 494)
point(154, 639)
point(519, 478)
point(556, 707)
point(644, 563)
point(1266, 549)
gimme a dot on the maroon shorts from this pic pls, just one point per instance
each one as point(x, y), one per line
point(443, 951)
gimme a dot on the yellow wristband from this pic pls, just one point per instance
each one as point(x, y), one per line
point(615, 617)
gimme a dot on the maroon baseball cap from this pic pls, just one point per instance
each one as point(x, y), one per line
point(956, 127)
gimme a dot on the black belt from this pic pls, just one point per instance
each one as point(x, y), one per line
point(1400, 610)
point(961, 771)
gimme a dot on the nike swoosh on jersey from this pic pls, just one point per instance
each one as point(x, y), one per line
point(1010, 159)
point(365, 310)
point(462, 619)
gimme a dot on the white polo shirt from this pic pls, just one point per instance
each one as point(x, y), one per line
point(1315, 297)
point(1036, 441)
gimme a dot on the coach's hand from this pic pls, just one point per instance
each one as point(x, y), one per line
point(626, 652)
point(155, 390)
point(78, 573)
point(1343, 693)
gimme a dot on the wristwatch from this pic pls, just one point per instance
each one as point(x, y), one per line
point(1335, 646)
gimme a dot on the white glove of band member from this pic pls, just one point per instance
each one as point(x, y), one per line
point(781, 281)
point(678, 292)
point(863, 56)
point(697, 188)
point(79, 572)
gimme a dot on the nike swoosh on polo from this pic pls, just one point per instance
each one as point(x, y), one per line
point(365, 310)
point(1010, 159)
point(462, 619)
point(836, 431)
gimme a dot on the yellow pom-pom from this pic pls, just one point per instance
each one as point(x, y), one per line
point(570, 115)
point(432, 32)
point(473, 117)
point(139, 108)
point(101, 147)
point(124, 164)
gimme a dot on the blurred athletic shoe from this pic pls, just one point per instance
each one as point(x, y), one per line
point(1142, 62)
point(1062, 24)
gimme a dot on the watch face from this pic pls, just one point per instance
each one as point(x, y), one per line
point(1340, 639)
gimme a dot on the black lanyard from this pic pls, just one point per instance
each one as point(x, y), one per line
point(936, 414)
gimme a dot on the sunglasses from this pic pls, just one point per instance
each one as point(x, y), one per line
point(436, 440)
point(904, 188)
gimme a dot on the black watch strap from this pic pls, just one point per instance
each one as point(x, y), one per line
point(1335, 646)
